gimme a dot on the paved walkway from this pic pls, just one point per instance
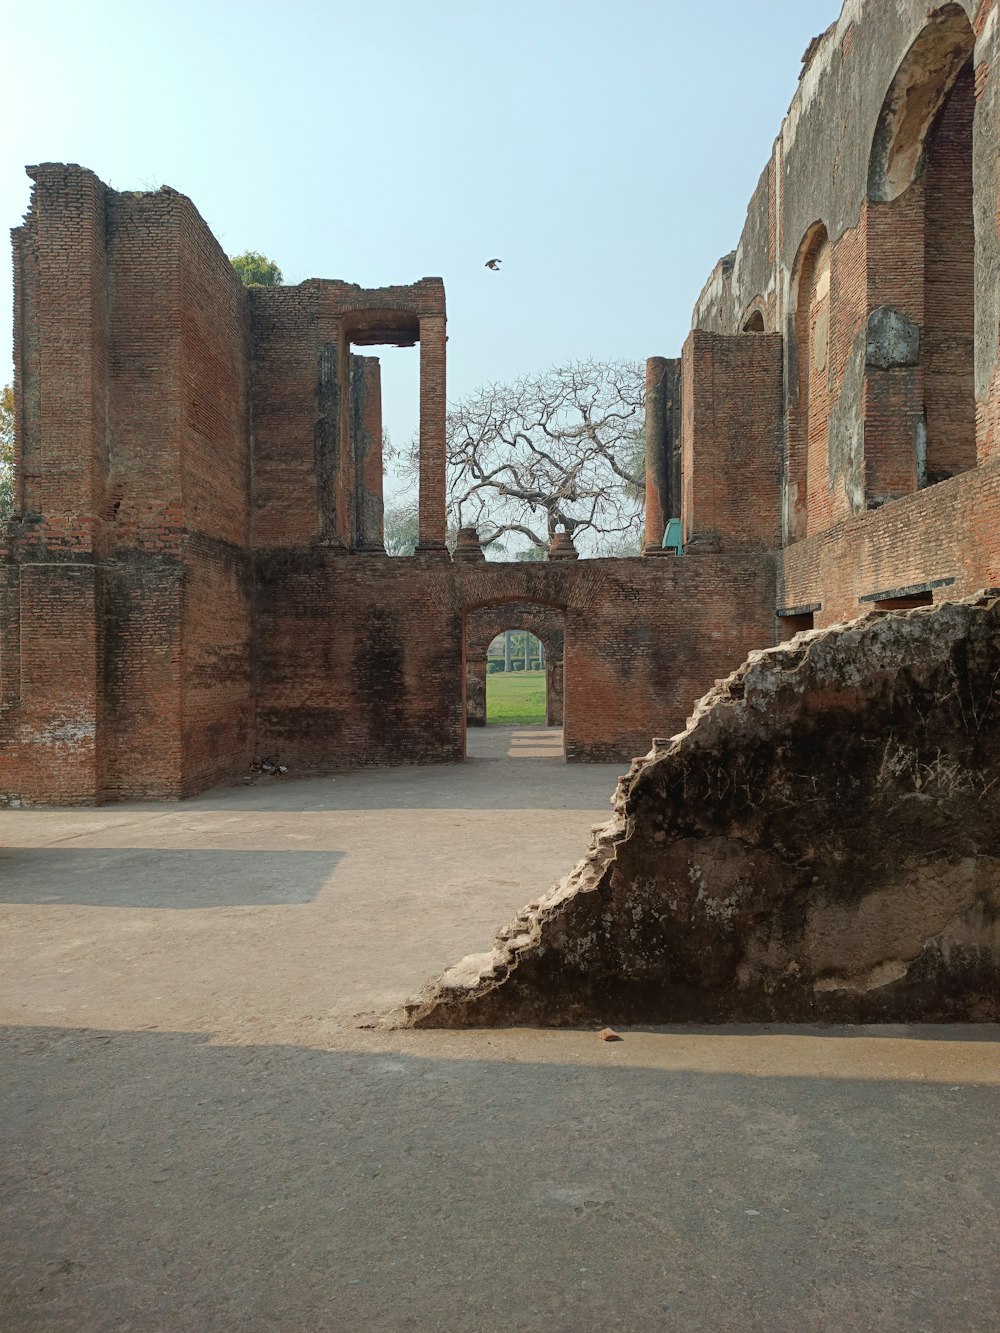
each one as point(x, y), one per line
point(203, 1137)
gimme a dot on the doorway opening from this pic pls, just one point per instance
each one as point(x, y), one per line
point(516, 694)
point(514, 681)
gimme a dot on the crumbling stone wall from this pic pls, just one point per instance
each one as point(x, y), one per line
point(821, 842)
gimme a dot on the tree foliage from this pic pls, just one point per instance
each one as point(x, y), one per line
point(6, 451)
point(256, 270)
point(561, 450)
point(402, 529)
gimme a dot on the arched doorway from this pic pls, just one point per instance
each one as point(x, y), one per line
point(525, 669)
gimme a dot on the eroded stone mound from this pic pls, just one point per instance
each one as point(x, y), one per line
point(821, 842)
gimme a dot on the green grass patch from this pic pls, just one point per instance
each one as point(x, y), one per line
point(515, 698)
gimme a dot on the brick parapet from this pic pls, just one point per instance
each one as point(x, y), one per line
point(949, 532)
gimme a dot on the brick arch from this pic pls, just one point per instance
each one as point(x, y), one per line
point(919, 401)
point(482, 624)
point(915, 98)
point(754, 317)
point(809, 399)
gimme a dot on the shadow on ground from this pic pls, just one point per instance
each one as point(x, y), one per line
point(159, 877)
point(160, 1181)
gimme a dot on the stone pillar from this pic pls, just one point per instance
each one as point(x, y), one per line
point(663, 459)
point(432, 427)
point(366, 453)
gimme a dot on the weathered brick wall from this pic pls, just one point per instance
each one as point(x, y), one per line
point(731, 440)
point(52, 692)
point(642, 644)
point(141, 745)
point(217, 627)
point(285, 377)
point(868, 153)
point(948, 534)
point(359, 660)
point(890, 148)
point(126, 584)
point(949, 284)
point(310, 483)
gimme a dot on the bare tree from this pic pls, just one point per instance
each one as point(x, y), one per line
point(548, 452)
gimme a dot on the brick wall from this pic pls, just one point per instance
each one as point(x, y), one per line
point(948, 534)
point(285, 510)
point(216, 612)
point(359, 659)
point(142, 576)
point(127, 589)
point(52, 694)
point(731, 440)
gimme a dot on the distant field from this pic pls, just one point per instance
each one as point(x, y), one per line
point(515, 698)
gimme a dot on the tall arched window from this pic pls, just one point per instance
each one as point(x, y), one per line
point(807, 487)
point(920, 423)
point(949, 286)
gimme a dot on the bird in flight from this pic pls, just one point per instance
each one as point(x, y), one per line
point(494, 264)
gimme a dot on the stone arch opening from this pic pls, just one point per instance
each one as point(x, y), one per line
point(754, 322)
point(483, 625)
point(920, 415)
point(807, 490)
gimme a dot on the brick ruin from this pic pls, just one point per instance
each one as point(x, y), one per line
point(822, 839)
point(821, 842)
point(194, 573)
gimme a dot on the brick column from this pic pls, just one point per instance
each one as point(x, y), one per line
point(662, 448)
point(61, 306)
point(732, 400)
point(60, 377)
point(432, 427)
point(366, 452)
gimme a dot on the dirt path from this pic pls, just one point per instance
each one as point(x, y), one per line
point(202, 1137)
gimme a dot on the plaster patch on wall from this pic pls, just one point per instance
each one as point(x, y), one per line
point(66, 731)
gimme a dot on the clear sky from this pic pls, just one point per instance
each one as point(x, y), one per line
point(605, 150)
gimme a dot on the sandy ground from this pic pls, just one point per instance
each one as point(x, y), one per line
point(199, 1133)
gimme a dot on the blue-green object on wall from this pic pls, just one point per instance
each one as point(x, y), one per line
point(672, 538)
